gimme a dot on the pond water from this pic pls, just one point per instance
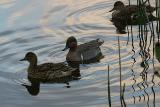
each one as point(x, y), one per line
point(42, 26)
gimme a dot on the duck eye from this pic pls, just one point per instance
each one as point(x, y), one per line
point(72, 44)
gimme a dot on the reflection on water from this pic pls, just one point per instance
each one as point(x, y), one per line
point(44, 26)
point(34, 88)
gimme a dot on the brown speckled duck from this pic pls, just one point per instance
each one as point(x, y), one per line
point(84, 53)
point(53, 72)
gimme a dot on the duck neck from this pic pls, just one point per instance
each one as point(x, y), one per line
point(73, 46)
point(73, 49)
point(33, 63)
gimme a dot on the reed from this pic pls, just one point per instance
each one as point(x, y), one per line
point(119, 51)
point(109, 92)
point(123, 100)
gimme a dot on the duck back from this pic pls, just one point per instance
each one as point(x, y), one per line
point(90, 51)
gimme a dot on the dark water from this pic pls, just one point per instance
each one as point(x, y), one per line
point(42, 26)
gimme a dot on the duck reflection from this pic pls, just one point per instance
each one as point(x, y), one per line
point(48, 73)
point(86, 53)
point(157, 51)
point(34, 88)
point(157, 71)
point(157, 54)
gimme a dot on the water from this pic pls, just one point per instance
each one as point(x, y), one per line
point(42, 26)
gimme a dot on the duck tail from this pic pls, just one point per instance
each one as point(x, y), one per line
point(153, 18)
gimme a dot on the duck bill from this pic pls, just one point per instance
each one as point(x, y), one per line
point(112, 10)
point(65, 49)
point(23, 59)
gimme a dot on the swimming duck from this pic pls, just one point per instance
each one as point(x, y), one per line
point(89, 52)
point(121, 22)
point(49, 72)
point(131, 15)
point(130, 12)
point(118, 5)
point(134, 18)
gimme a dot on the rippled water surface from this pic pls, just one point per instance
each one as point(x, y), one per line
point(42, 26)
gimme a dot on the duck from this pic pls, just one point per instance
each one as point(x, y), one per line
point(50, 72)
point(119, 5)
point(124, 15)
point(132, 18)
point(86, 53)
point(121, 22)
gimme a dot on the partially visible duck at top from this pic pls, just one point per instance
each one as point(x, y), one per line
point(121, 20)
point(131, 14)
point(124, 15)
point(118, 5)
point(49, 72)
point(88, 52)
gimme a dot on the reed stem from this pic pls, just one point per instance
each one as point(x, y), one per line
point(120, 71)
point(109, 92)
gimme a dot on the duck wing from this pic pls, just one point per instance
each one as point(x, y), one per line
point(90, 45)
point(135, 8)
point(40, 71)
point(62, 67)
point(54, 70)
point(124, 13)
point(130, 9)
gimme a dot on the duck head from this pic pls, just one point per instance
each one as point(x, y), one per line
point(71, 43)
point(117, 5)
point(31, 58)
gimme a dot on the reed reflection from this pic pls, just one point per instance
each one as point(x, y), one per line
point(134, 61)
point(144, 52)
